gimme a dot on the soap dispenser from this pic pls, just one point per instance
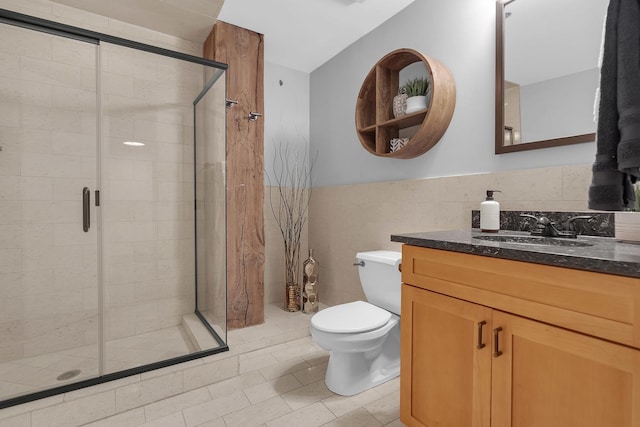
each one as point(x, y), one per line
point(490, 213)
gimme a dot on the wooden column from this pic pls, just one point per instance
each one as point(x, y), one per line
point(242, 50)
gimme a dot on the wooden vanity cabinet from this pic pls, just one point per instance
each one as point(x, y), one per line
point(548, 376)
point(444, 379)
point(474, 359)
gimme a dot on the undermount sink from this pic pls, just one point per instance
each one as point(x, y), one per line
point(534, 240)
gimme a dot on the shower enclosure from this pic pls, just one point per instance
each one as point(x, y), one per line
point(112, 208)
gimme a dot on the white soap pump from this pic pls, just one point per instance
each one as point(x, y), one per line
point(490, 213)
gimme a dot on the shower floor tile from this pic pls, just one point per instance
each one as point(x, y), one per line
point(23, 376)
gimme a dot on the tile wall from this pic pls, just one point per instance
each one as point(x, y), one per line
point(49, 298)
point(47, 262)
point(347, 219)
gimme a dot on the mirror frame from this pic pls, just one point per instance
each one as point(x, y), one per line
point(500, 148)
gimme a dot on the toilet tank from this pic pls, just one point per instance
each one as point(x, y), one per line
point(380, 278)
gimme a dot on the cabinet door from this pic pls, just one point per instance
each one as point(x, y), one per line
point(445, 377)
point(551, 377)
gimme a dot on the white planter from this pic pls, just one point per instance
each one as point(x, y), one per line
point(416, 103)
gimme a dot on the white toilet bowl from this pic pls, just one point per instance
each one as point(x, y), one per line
point(362, 358)
point(363, 339)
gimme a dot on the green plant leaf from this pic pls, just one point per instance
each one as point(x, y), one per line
point(417, 87)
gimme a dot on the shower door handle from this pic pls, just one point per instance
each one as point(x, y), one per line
point(86, 215)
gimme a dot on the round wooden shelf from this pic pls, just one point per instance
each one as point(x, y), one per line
point(375, 123)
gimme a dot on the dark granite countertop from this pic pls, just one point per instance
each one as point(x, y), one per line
point(603, 255)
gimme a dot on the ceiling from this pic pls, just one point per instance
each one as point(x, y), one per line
point(304, 34)
point(187, 19)
point(299, 34)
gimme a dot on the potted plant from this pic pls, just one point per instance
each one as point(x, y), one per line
point(417, 90)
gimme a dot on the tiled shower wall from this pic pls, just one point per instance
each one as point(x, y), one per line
point(347, 219)
point(48, 298)
point(148, 193)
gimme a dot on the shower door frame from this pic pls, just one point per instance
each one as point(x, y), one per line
point(205, 90)
point(55, 28)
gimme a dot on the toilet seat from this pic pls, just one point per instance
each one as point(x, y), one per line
point(350, 318)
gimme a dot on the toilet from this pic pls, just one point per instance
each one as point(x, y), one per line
point(363, 338)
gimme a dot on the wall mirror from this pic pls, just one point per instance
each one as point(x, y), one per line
point(546, 72)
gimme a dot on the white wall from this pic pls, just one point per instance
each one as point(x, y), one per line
point(286, 105)
point(459, 33)
point(286, 119)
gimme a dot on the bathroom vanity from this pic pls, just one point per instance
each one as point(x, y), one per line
point(518, 334)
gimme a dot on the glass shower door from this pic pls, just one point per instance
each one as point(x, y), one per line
point(49, 286)
point(210, 196)
point(149, 220)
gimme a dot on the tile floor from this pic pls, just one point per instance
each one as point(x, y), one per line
point(24, 376)
point(279, 382)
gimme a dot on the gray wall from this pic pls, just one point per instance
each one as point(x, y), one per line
point(459, 33)
point(559, 107)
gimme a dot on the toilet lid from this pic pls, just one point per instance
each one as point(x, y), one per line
point(358, 316)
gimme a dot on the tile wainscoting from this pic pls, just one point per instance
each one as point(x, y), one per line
point(346, 219)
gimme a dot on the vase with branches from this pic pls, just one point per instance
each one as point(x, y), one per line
point(291, 176)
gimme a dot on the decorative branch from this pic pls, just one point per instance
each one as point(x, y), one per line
point(292, 174)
